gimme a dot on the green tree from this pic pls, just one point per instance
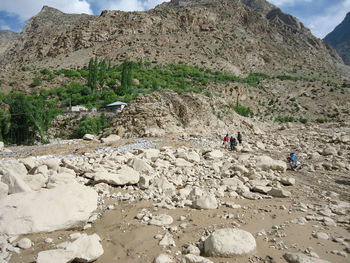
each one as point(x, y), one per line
point(102, 73)
point(126, 81)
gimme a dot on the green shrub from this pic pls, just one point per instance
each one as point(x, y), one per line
point(322, 120)
point(36, 82)
point(45, 71)
point(303, 120)
point(283, 119)
point(243, 111)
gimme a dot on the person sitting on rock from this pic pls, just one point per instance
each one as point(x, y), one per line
point(233, 143)
point(293, 161)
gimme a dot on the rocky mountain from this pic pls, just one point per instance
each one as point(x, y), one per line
point(237, 36)
point(339, 38)
point(5, 38)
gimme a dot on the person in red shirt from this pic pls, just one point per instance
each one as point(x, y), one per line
point(225, 143)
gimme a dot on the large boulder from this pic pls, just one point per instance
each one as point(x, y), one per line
point(266, 163)
point(278, 192)
point(4, 190)
point(110, 139)
point(13, 175)
point(206, 202)
point(36, 181)
point(61, 178)
point(84, 249)
point(47, 210)
point(229, 242)
point(124, 176)
point(141, 166)
point(329, 151)
point(214, 155)
point(301, 258)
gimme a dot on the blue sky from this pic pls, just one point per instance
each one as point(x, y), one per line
point(321, 16)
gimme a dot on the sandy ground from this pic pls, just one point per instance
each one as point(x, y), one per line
point(125, 239)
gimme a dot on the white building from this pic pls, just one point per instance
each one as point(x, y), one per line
point(115, 106)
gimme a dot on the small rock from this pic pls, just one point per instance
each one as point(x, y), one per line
point(163, 258)
point(24, 243)
point(161, 220)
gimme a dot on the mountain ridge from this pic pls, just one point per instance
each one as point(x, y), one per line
point(339, 39)
point(229, 35)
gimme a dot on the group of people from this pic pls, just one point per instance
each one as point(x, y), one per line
point(292, 159)
point(232, 141)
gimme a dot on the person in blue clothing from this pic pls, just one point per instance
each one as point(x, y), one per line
point(293, 162)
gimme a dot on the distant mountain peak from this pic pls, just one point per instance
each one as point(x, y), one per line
point(339, 39)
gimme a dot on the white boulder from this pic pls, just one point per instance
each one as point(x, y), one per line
point(278, 192)
point(60, 179)
point(24, 243)
point(84, 249)
point(4, 190)
point(190, 258)
point(213, 155)
point(266, 163)
point(163, 258)
point(161, 220)
point(46, 210)
point(89, 137)
point(12, 175)
point(110, 139)
point(124, 176)
point(301, 258)
point(229, 242)
point(140, 165)
point(205, 202)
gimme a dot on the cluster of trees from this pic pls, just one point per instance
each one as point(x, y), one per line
point(28, 117)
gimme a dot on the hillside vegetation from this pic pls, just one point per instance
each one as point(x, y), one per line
point(27, 118)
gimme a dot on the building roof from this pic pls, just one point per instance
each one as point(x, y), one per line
point(117, 103)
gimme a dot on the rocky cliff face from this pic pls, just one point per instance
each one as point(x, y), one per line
point(5, 38)
point(237, 36)
point(339, 38)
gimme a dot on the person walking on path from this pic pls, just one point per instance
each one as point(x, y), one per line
point(225, 143)
point(239, 138)
point(233, 143)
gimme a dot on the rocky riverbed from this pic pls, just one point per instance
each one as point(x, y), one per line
point(179, 199)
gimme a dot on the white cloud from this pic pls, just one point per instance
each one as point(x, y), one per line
point(3, 25)
point(323, 24)
point(127, 5)
point(26, 9)
point(284, 3)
